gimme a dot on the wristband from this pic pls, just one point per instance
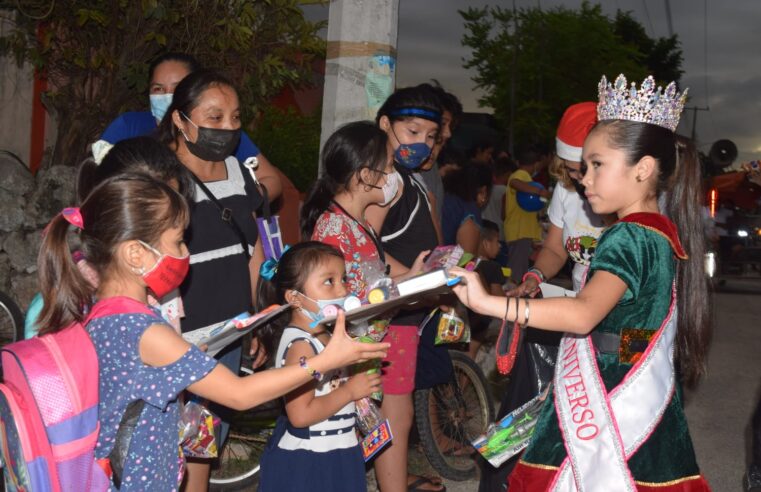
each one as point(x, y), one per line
point(317, 375)
point(533, 273)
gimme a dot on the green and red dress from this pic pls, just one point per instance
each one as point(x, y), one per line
point(633, 435)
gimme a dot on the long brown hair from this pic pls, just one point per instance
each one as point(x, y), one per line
point(679, 181)
point(122, 208)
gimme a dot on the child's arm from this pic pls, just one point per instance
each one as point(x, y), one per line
point(568, 314)
point(257, 258)
point(469, 236)
point(304, 408)
point(160, 345)
point(497, 290)
point(551, 259)
point(520, 185)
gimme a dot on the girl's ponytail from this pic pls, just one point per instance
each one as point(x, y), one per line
point(65, 292)
point(680, 186)
point(267, 295)
point(684, 207)
point(317, 201)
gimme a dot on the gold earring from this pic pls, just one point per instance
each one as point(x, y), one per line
point(639, 179)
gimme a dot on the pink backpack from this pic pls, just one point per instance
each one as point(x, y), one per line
point(49, 409)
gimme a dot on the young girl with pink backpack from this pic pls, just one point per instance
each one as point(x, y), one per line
point(131, 231)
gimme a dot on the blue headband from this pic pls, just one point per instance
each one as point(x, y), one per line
point(422, 113)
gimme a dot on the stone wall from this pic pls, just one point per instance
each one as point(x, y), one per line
point(27, 204)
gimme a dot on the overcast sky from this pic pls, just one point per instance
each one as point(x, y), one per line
point(429, 46)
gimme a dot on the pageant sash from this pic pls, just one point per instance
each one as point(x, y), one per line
point(602, 430)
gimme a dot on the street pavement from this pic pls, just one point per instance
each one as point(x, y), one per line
point(719, 409)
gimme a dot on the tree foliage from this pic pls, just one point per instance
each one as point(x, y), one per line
point(557, 57)
point(95, 53)
point(292, 141)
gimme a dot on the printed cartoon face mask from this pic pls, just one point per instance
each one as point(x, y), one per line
point(167, 273)
point(321, 303)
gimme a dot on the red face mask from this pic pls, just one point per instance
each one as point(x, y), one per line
point(167, 274)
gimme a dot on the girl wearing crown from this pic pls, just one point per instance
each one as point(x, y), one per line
point(613, 419)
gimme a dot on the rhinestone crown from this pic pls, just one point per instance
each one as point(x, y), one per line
point(649, 104)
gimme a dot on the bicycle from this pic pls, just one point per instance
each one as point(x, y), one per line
point(11, 321)
point(237, 467)
point(449, 415)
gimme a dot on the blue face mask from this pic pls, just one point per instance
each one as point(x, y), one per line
point(159, 104)
point(411, 156)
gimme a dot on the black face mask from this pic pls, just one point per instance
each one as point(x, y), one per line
point(213, 144)
point(580, 188)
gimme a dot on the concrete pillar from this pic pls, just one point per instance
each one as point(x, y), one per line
point(360, 66)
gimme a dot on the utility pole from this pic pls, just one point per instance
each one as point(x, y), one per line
point(511, 135)
point(695, 110)
point(360, 66)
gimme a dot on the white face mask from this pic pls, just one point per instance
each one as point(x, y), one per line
point(390, 187)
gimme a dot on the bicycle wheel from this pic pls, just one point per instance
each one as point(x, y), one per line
point(449, 415)
point(11, 321)
point(237, 467)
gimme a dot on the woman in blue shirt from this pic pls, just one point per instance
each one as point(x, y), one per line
point(164, 73)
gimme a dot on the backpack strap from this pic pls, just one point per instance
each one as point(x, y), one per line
point(116, 305)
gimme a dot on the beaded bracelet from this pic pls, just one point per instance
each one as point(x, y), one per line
point(317, 375)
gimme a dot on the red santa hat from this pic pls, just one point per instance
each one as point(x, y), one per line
point(575, 125)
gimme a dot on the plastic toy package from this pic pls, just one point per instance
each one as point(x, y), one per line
point(368, 415)
point(443, 257)
point(451, 329)
point(511, 434)
point(197, 431)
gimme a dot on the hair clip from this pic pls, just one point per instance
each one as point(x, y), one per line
point(268, 269)
point(99, 150)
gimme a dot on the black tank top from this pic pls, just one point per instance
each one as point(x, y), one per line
point(407, 230)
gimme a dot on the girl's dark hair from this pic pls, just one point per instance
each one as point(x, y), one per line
point(122, 208)
point(187, 96)
point(422, 97)
point(465, 182)
point(680, 179)
point(188, 60)
point(448, 101)
point(450, 155)
point(351, 148)
point(144, 155)
point(293, 269)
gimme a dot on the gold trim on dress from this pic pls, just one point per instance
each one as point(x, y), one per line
point(541, 467)
point(669, 483)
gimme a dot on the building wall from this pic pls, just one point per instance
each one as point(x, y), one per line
point(15, 108)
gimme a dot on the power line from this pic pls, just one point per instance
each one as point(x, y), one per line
point(647, 15)
point(668, 18)
point(705, 49)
